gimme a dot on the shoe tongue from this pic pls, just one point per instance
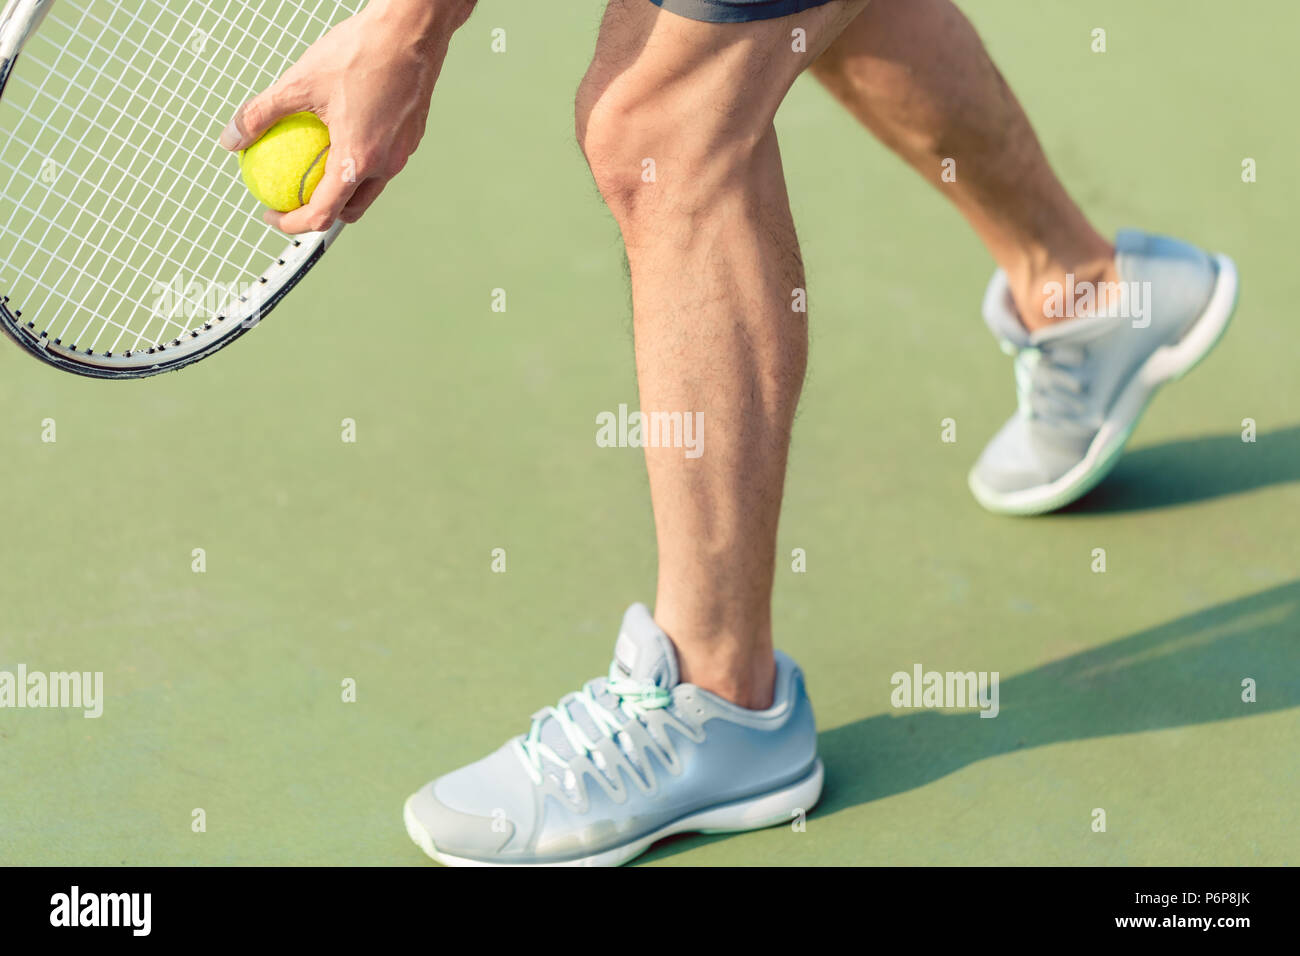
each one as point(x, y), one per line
point(643, 651)
point(1000, 313)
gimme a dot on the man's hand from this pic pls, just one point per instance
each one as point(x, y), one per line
point(370, 80)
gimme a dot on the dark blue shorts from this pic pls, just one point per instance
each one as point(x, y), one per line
point(736, 11)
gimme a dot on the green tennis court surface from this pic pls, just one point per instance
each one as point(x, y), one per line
point(371, 561)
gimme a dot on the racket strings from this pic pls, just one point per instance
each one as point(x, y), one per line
point(145, 109)
point(51, 69)
point(125, 225)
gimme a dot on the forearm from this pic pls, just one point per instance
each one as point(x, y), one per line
point(426, 21)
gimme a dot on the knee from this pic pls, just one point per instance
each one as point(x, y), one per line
point(607, 132)
point(644, 150)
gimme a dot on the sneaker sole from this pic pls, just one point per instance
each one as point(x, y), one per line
point(752, 813)
point(1166, 364)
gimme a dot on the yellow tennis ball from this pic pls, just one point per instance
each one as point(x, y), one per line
point(283, 168)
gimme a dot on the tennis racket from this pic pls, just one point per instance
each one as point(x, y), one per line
point(128, 243)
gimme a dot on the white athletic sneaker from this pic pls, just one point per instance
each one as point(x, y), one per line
point(1083, 383)
point(624, 762)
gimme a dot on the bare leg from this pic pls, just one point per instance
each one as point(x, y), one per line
point(915, 73)
point(714, 262)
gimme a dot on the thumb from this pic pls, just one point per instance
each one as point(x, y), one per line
point(259, 114)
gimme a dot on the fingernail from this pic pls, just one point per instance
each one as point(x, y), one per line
point(230, 136)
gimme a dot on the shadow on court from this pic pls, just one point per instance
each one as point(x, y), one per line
point(1195, 469)
point(1185, 672)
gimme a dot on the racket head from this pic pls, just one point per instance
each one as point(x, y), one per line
point(128, 243)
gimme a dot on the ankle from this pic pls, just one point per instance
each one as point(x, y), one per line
point(734, 662)
point(749, 683)
point(1047, 292)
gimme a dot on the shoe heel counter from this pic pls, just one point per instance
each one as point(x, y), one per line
point(1183, 275)
point(803, 720)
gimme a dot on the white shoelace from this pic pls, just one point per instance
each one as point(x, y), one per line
point(1047, 383)
point(636, 699)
